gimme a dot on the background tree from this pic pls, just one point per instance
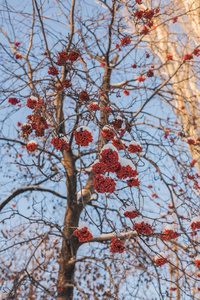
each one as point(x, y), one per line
point(174, 40)
point(78, 87)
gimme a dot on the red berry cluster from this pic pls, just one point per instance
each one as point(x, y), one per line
point(126, 171)
point(150, 73)
point(107, 134)
point(191, 141)
point(169, 56)
point(142, 228)
point(147, 17)
point(197, 262)
point(62, 58)
point(83, 137)
point(110, 160)
point(196, 52)
point(116, 246)
point(83, 234)
point(125, 41)
point(148, 14)
point(26, 130)
point(133, 182)
point(104, 184)
point(73, 56)
point(188, 57)
point(83, 96)
point(65, 84)
point(135, 148)
point(141, 79)
point(18, 56)
point(17, 44)
point(161, 261)
point(131, 214)
point(31, 146)
point(98, 168)
point(53, 71)
point(94, 106)
point(118, 144)
point(31, 103)
point(38, 123)
point(117, 123)
point(138, 14)
point(195, 225)
point(13, 101)
point(169, 234)
point(138, 1)
point(59, 144)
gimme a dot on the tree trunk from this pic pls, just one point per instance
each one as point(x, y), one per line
point(69, 249)
point(70, 243)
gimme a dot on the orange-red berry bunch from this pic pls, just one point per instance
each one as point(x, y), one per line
point(62, 58)
point(133, 182)
point(142, 227)
point(94, 106)
point(134, 147)
point(131, 213)
point(188, 57)
point(73, 56)
point(111, 162)
point(107, 133)
point(117, 123)
point(195, 223)
point(64, 85)
point(26, 130)
point(60, 144)
point(169, 234)
point(160, 259)
point(83, 96)
point(13, 101)
point(110, 159)
point(104, 184)
point(83, 136)
point(53, 71)
point(31, 102)
point(126, 171)
point(125, 41)
point(38, 123)
point(118, 144)
point(31, 146)
point(116, 246)
point(83, 234)
point(197, 261)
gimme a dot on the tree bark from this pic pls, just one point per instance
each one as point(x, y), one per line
point(69, 249)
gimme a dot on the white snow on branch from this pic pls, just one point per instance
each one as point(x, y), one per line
point(120, 84)
point(109, 146)
point(94, 197)
point(80, 194)
point(83, 128)
point(109, 236)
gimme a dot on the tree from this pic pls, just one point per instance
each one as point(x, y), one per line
point(99, 141)
point(174, 40)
